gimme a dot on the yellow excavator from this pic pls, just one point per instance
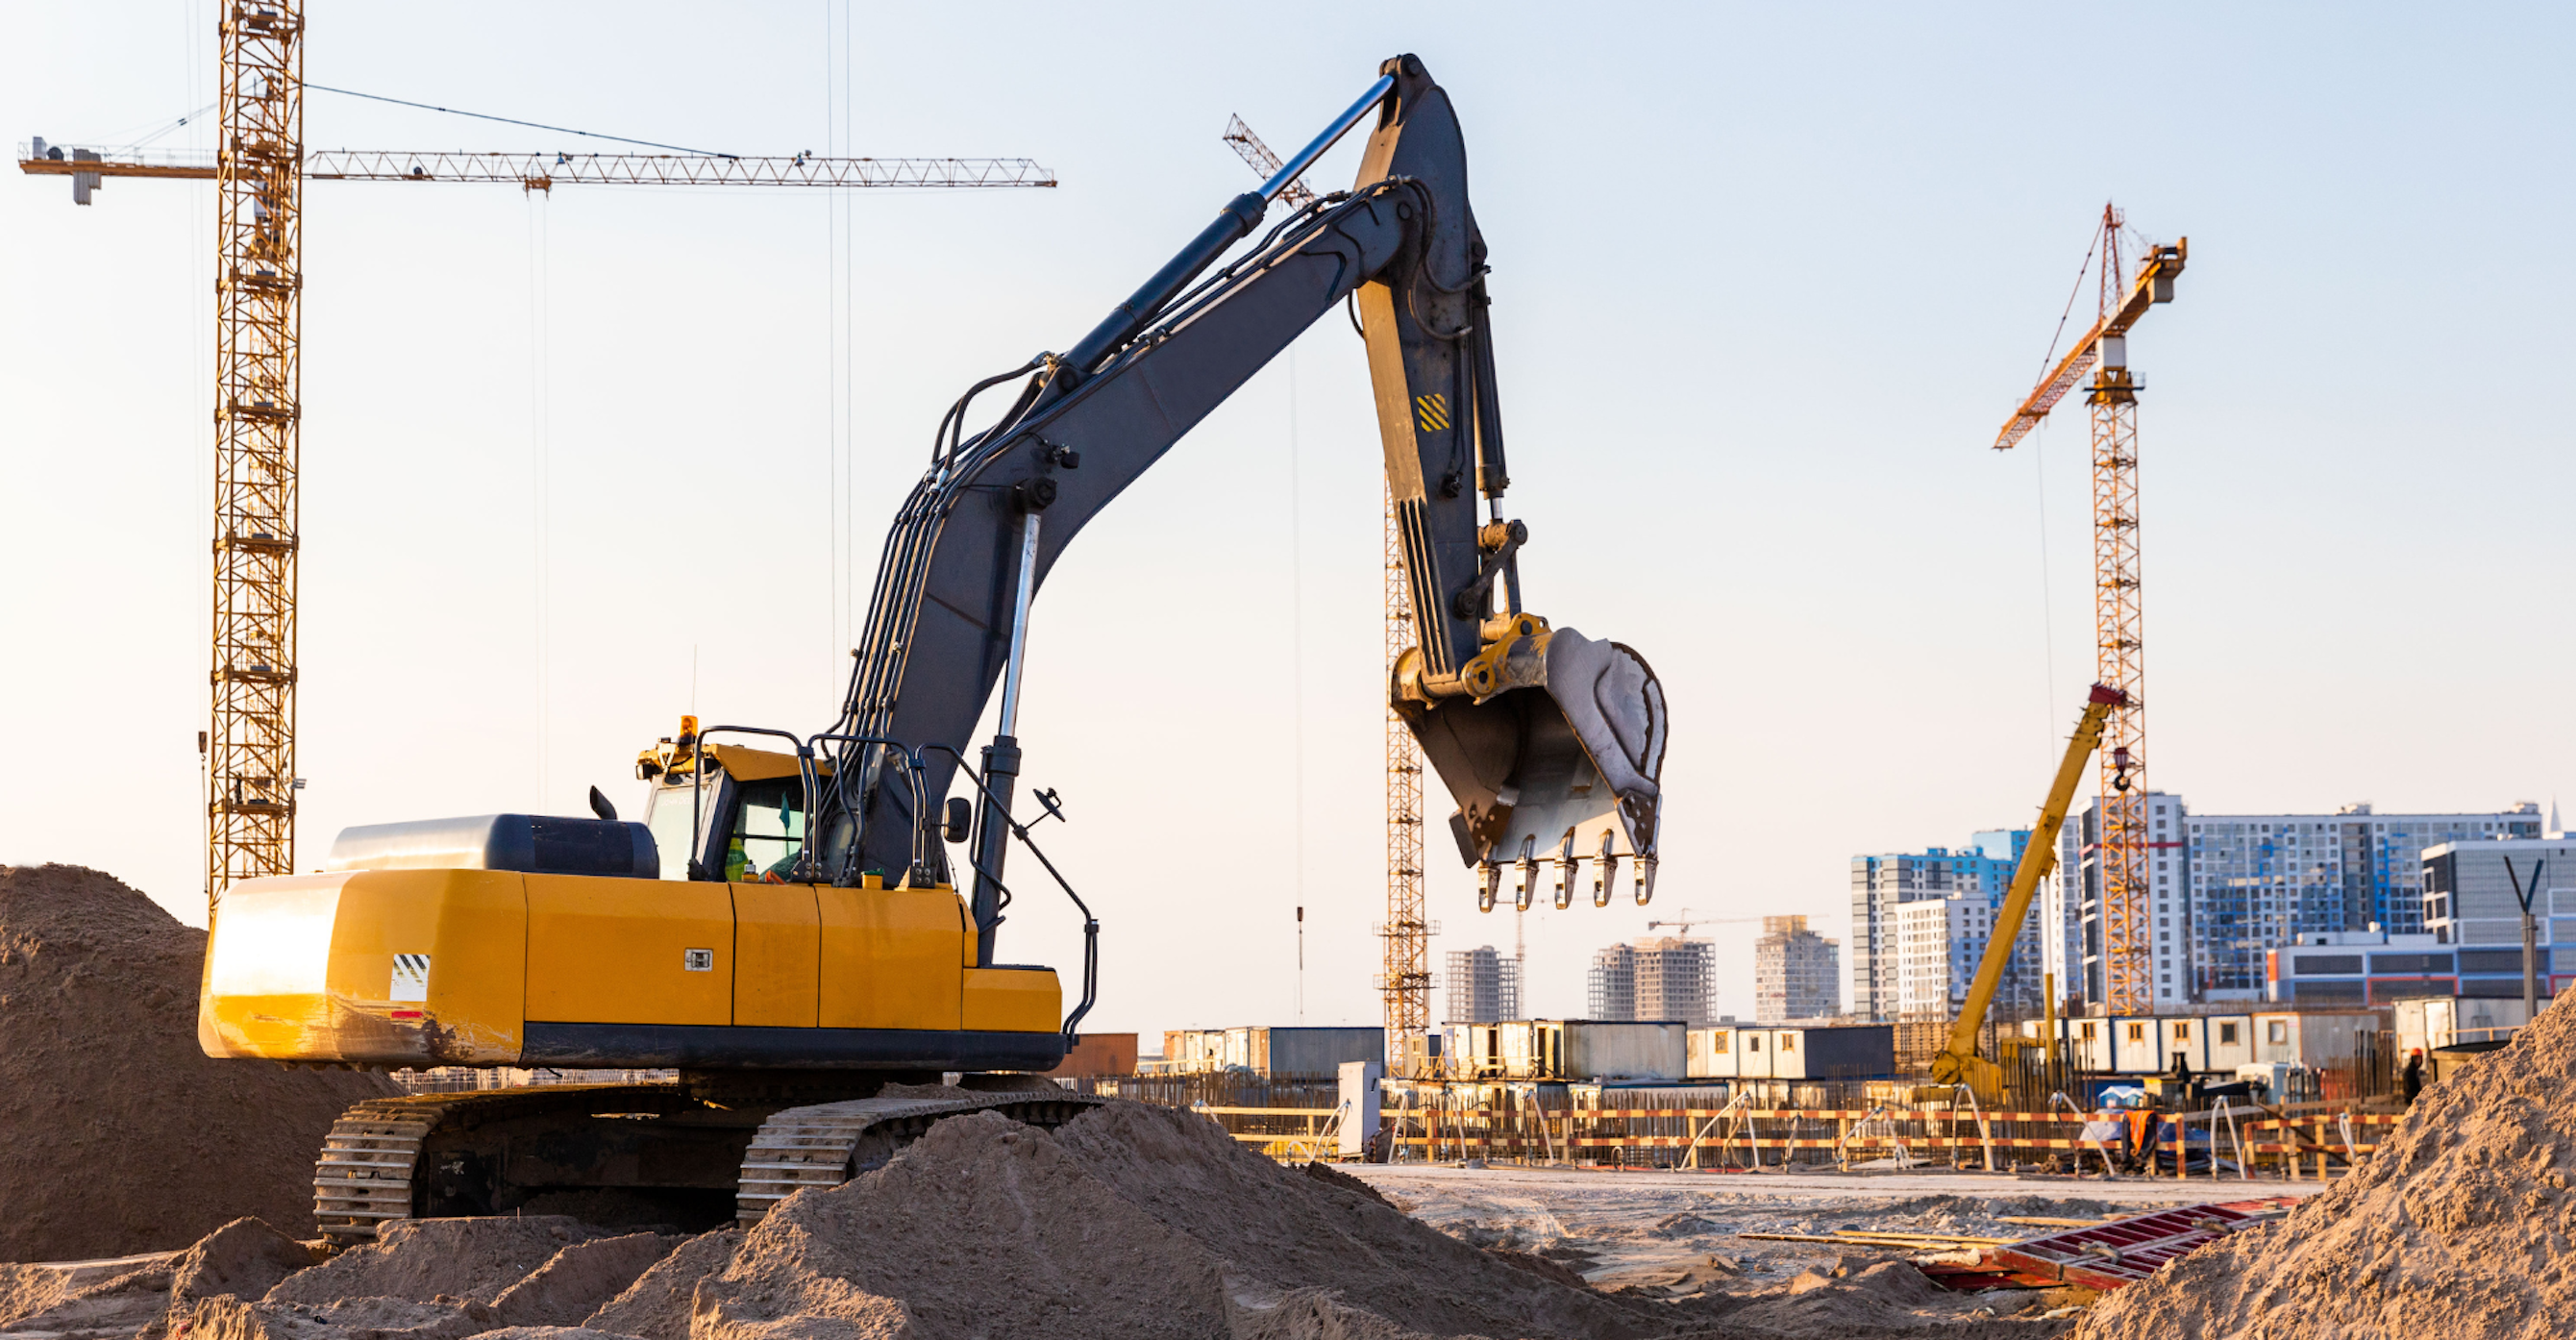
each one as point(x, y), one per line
point(804, 925)
point(1958, 1061)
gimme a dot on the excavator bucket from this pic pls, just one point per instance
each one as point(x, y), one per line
point(1560, 769)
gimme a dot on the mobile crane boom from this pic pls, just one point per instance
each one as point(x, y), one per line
point(1958, 1063)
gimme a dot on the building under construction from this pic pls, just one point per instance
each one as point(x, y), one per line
point(1654, 978)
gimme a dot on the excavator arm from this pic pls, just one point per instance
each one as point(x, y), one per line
point(1552, 743)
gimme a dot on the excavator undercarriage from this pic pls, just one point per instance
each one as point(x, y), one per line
point(640, 1155)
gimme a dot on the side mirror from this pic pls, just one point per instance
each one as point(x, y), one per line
point(961, 820)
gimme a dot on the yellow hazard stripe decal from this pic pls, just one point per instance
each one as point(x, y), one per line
point(1432, 411)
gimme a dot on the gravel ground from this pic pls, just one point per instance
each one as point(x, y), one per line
point(1617, 1227)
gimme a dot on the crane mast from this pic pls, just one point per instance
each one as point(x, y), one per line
point(2124, 846)
point(259, 283)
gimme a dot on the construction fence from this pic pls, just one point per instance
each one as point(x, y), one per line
point(1527, 1125)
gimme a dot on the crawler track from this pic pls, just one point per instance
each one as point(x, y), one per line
point(617, 1153)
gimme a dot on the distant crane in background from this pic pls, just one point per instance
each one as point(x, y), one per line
point(2124, 846)
point(259, 168)
point(1689, 918)
point(1404, 968)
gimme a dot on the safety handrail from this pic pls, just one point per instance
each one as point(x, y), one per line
point(698, 757)
point(1090, 923)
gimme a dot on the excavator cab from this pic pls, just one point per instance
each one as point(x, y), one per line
point(724, 812)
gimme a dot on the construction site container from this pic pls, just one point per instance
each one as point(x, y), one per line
point(2137, 1046)
point(2227, 1041)
point(1311, 1053)
point(2087, 1043)
point(1303, 1054)
point(1593, 1049)
point(2316, 1038)
point(2435, 1022)
point(1851, 1051)
point(1475, 1051)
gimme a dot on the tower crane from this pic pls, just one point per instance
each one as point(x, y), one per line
point(2124, 844)
point(1687, 919)
point(259, 169)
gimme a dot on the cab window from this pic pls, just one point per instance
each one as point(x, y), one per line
point(768, 829)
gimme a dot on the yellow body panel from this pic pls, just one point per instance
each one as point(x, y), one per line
point(1012, 1000)
point(777, 945)
point(629, 951)
point(302, 967)
point(448, 967)
point(890, 957)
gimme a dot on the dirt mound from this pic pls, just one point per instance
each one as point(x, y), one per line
point(124, 1137)
point(432, 1260)
point(578, 1279)
point(242, 1259)
point(1129, 1221)
point(2458, 1227)
point(656, 1305)
point(1291, 1231)
point(982, 1227)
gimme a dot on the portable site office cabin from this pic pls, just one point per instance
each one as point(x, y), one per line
point(1593, 1049)
point(2087, 1041)
point(2144, 1045)
point(1852, 1051)
point(2315, 1039)
point(2211, 1042)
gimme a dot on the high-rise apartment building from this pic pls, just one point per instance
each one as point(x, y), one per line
point(1880, 884)
point(2229, 888)
point(1666, 977)
point(1939, 945)
point(1797, 974)
point(1484, 986)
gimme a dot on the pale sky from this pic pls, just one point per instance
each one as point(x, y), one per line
point(1766, 280)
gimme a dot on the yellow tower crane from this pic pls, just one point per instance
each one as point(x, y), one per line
point(2124, 846)
point(259, 168)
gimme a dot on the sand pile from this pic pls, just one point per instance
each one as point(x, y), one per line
point(2462, 1225)
point(121, 1136)
point(441, 1279)
point(1129, 1221)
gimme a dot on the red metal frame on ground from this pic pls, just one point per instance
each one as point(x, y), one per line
point(2125, 1251)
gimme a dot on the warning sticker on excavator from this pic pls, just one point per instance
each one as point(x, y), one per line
point(698, 960)
point(1431, 411)
point(411, 977)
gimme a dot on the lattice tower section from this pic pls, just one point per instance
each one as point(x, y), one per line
point(2120, 661)
point(250, 750)
point(1404, 978)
